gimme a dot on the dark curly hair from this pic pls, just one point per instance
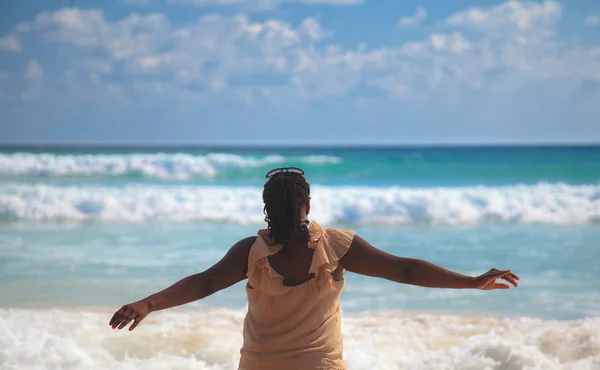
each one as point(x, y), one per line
point(284, 196)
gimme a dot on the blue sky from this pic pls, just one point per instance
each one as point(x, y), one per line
point(259, 72)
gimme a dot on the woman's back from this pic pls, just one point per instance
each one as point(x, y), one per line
point(293, 262)
point(293, 322)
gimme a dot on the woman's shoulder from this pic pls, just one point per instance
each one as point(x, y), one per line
point(243, 245)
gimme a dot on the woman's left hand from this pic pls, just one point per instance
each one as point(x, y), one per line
point(487, 281)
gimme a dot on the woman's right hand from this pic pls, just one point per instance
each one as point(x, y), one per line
point(135, 312)
point(487, 281)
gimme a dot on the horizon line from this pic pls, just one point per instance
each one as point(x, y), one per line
point(59, 145)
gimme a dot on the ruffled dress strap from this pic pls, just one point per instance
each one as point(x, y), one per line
point(260, 274)
point(330, 246)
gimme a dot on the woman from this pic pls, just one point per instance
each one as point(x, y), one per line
point(295, 271)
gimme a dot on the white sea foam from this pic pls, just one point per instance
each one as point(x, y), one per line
point(211, 339)
point(542, 203)
point(161, 165)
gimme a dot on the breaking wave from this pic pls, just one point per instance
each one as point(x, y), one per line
point(178, 166)
point(542, 203)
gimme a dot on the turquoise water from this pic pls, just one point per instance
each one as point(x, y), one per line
point(429, 167)
point(108, 264)
point(90, 229)
point(160, 215)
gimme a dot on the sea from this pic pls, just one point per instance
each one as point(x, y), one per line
point(84, 230)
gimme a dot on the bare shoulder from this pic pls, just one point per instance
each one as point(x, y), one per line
point(242, 247)
point(232, 267)
point(365, 259)
point(238, 253)
point(247, 242)
point(360, 249)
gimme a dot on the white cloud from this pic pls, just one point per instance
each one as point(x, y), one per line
point(208, 52)
point(487, 47)
point(263, 4)
point(592, 20)
point(520, 37)
point(23, 27)
point(34, 74)
point(414, 20)
point(333, 2)
point(34, 71)
point(454, 43)
point(335, 71)
point(313, 29)
point(137, 2)
point(259, 4)
point(516, 15)
point(479, 48)
point(11, 44)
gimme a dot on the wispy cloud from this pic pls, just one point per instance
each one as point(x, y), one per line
point(592, 20)
point(263, 4)
point(478, 48)
point(511, 15)
point(34, 74)
point(137, 2)
point(415, 19)
point(10, 43)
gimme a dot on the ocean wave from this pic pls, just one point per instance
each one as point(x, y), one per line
point(211, 339)
point(542, 203)
point(178, 166)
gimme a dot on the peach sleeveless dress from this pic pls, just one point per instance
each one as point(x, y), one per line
point(295, 327)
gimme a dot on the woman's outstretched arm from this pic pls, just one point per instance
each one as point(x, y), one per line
point(230, 270)
point(364, 259)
